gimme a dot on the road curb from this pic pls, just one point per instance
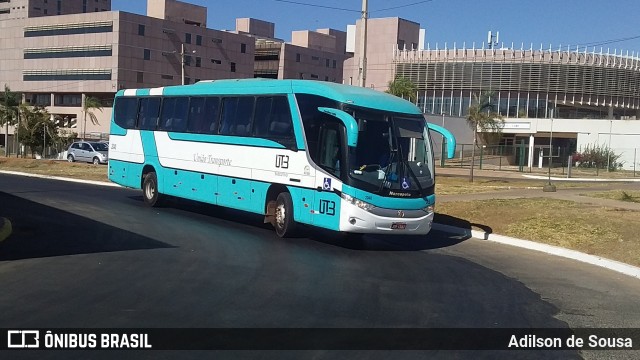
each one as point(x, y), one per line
point(91, 182)
point(5, 228)
point(613, 265)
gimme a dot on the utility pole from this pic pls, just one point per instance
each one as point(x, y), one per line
point(363, 44)
point(182, 62)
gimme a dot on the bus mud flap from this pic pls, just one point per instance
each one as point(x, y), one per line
point(270, 216)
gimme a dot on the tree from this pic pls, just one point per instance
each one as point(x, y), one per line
point(90, 104)
point(36, 129)
point(404, 88)
point(8, 113)
point(483, 118)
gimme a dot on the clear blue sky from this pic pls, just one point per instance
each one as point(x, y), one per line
point(530, 21)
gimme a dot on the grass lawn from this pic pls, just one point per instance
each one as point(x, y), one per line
point(453, 185)
point(620, 195)
point(607, 232)
point(55, 168)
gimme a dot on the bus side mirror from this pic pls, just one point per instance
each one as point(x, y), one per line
point(451, 140)
point(349, 123)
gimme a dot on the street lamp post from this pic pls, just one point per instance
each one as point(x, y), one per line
point(609, 146)
point(549, 187)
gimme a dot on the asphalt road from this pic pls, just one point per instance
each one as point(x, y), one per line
point(91, 256)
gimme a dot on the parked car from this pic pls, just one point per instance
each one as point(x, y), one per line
point(88, 151)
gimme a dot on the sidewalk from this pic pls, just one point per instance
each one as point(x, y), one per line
point(504, 174)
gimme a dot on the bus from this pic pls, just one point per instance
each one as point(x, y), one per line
point(334, 156)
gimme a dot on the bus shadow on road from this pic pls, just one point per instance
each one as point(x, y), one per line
point(43, 231)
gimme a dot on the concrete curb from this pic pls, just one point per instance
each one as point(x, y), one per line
point(617, 266)
point(91, 182)
point(5, 229)
point(540, 177)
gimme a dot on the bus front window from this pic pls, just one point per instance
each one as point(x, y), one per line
point(393, 155)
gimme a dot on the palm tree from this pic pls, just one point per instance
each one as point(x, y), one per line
point(482, 118)
point(404, 88)
point(8, 113)
point(90, 104)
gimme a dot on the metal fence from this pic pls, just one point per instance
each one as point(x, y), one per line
point(564, 161)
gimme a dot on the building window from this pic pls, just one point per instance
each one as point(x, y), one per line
point(5, 11)
point(314, 76)
point(69, 29)
point(187, 81)
point(233, 67)
point(187, 38)
point(67, 100)
point(67, 52)
point(198, 62)
point(46, 11)
point(141, 30)
point(334, 64)
point(297, 57)
point(59, 7)
point(139, 77)
point(147, 54)
point(243, 48)
point(198, 39)
point(315, 58)
point(187, 60)
point(216, 61)
point(84, 6)
point(326, 78)
point(301, 75)
point(167, 77)
point(327, 63)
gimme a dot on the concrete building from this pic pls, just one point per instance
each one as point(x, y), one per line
point(315, 55)
point(22, 9)
point(384, 36)
point(58, 60)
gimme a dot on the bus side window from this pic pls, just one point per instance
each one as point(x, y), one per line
point(281, 125)
point(203, 115)
point(262, 116)
point(236, 116)
point(174, 114)
point(148, 113)
point(125, 112)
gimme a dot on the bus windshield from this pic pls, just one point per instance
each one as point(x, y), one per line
point(393, 156)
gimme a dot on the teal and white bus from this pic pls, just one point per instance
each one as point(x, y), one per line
point(335, 156)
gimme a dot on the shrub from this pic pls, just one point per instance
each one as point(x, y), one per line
point(596, 156)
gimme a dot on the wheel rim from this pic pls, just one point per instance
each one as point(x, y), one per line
point(280, 216)
point(149, 191)
point(70, 158)
point(96, 161)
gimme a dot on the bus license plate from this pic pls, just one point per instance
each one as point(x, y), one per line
point(398, 226)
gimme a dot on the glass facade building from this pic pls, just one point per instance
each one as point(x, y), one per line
point(525, 83)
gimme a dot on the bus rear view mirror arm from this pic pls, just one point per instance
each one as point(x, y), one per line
point(349, 122)
point(451, 140)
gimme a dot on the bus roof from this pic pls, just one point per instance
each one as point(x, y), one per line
point(348, 94)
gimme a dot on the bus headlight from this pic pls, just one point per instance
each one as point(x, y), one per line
point(359, 203)
point(429, 209)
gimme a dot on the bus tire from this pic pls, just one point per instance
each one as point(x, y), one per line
point(150, 192)
point(284, 223)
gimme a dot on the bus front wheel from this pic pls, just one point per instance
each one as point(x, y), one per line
point(150, 189)
point(284, 223)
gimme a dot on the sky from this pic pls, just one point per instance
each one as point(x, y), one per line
point(547, 22)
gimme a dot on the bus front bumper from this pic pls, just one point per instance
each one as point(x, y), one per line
point(356, 220)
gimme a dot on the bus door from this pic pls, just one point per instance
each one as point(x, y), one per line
point(330, 158)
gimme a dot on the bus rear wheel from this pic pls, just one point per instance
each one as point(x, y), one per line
point(283, 222)
point(150, 189)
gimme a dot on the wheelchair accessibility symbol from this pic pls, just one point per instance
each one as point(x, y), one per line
point(326, 184)
point(405, 184)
